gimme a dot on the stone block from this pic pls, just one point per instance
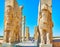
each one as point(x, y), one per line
point(45, 45)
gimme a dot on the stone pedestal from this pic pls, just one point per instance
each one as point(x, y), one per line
point(45, 45)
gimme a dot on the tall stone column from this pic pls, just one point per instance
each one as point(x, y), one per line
point(36, 34)
point(8, 22)
point(21, 7)
point(27, 35)
point(45, 22)
point(12, 22)
point(23, 28)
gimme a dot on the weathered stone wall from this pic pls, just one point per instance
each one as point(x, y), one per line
point(56, 44)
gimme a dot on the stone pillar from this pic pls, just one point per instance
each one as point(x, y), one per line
point(9, 4)
point(8, 22)
point(27, 35)
point(36, 33)
point(23, 28)
point(21, 7)
point(12, 22)
point(45, 22)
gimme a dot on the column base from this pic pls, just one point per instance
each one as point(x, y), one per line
point(45, 45)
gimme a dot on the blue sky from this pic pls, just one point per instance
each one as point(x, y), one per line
point(30, 10)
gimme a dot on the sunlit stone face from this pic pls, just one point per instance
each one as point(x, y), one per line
point(44, 17)
point(44, 6)
point(8, 10)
